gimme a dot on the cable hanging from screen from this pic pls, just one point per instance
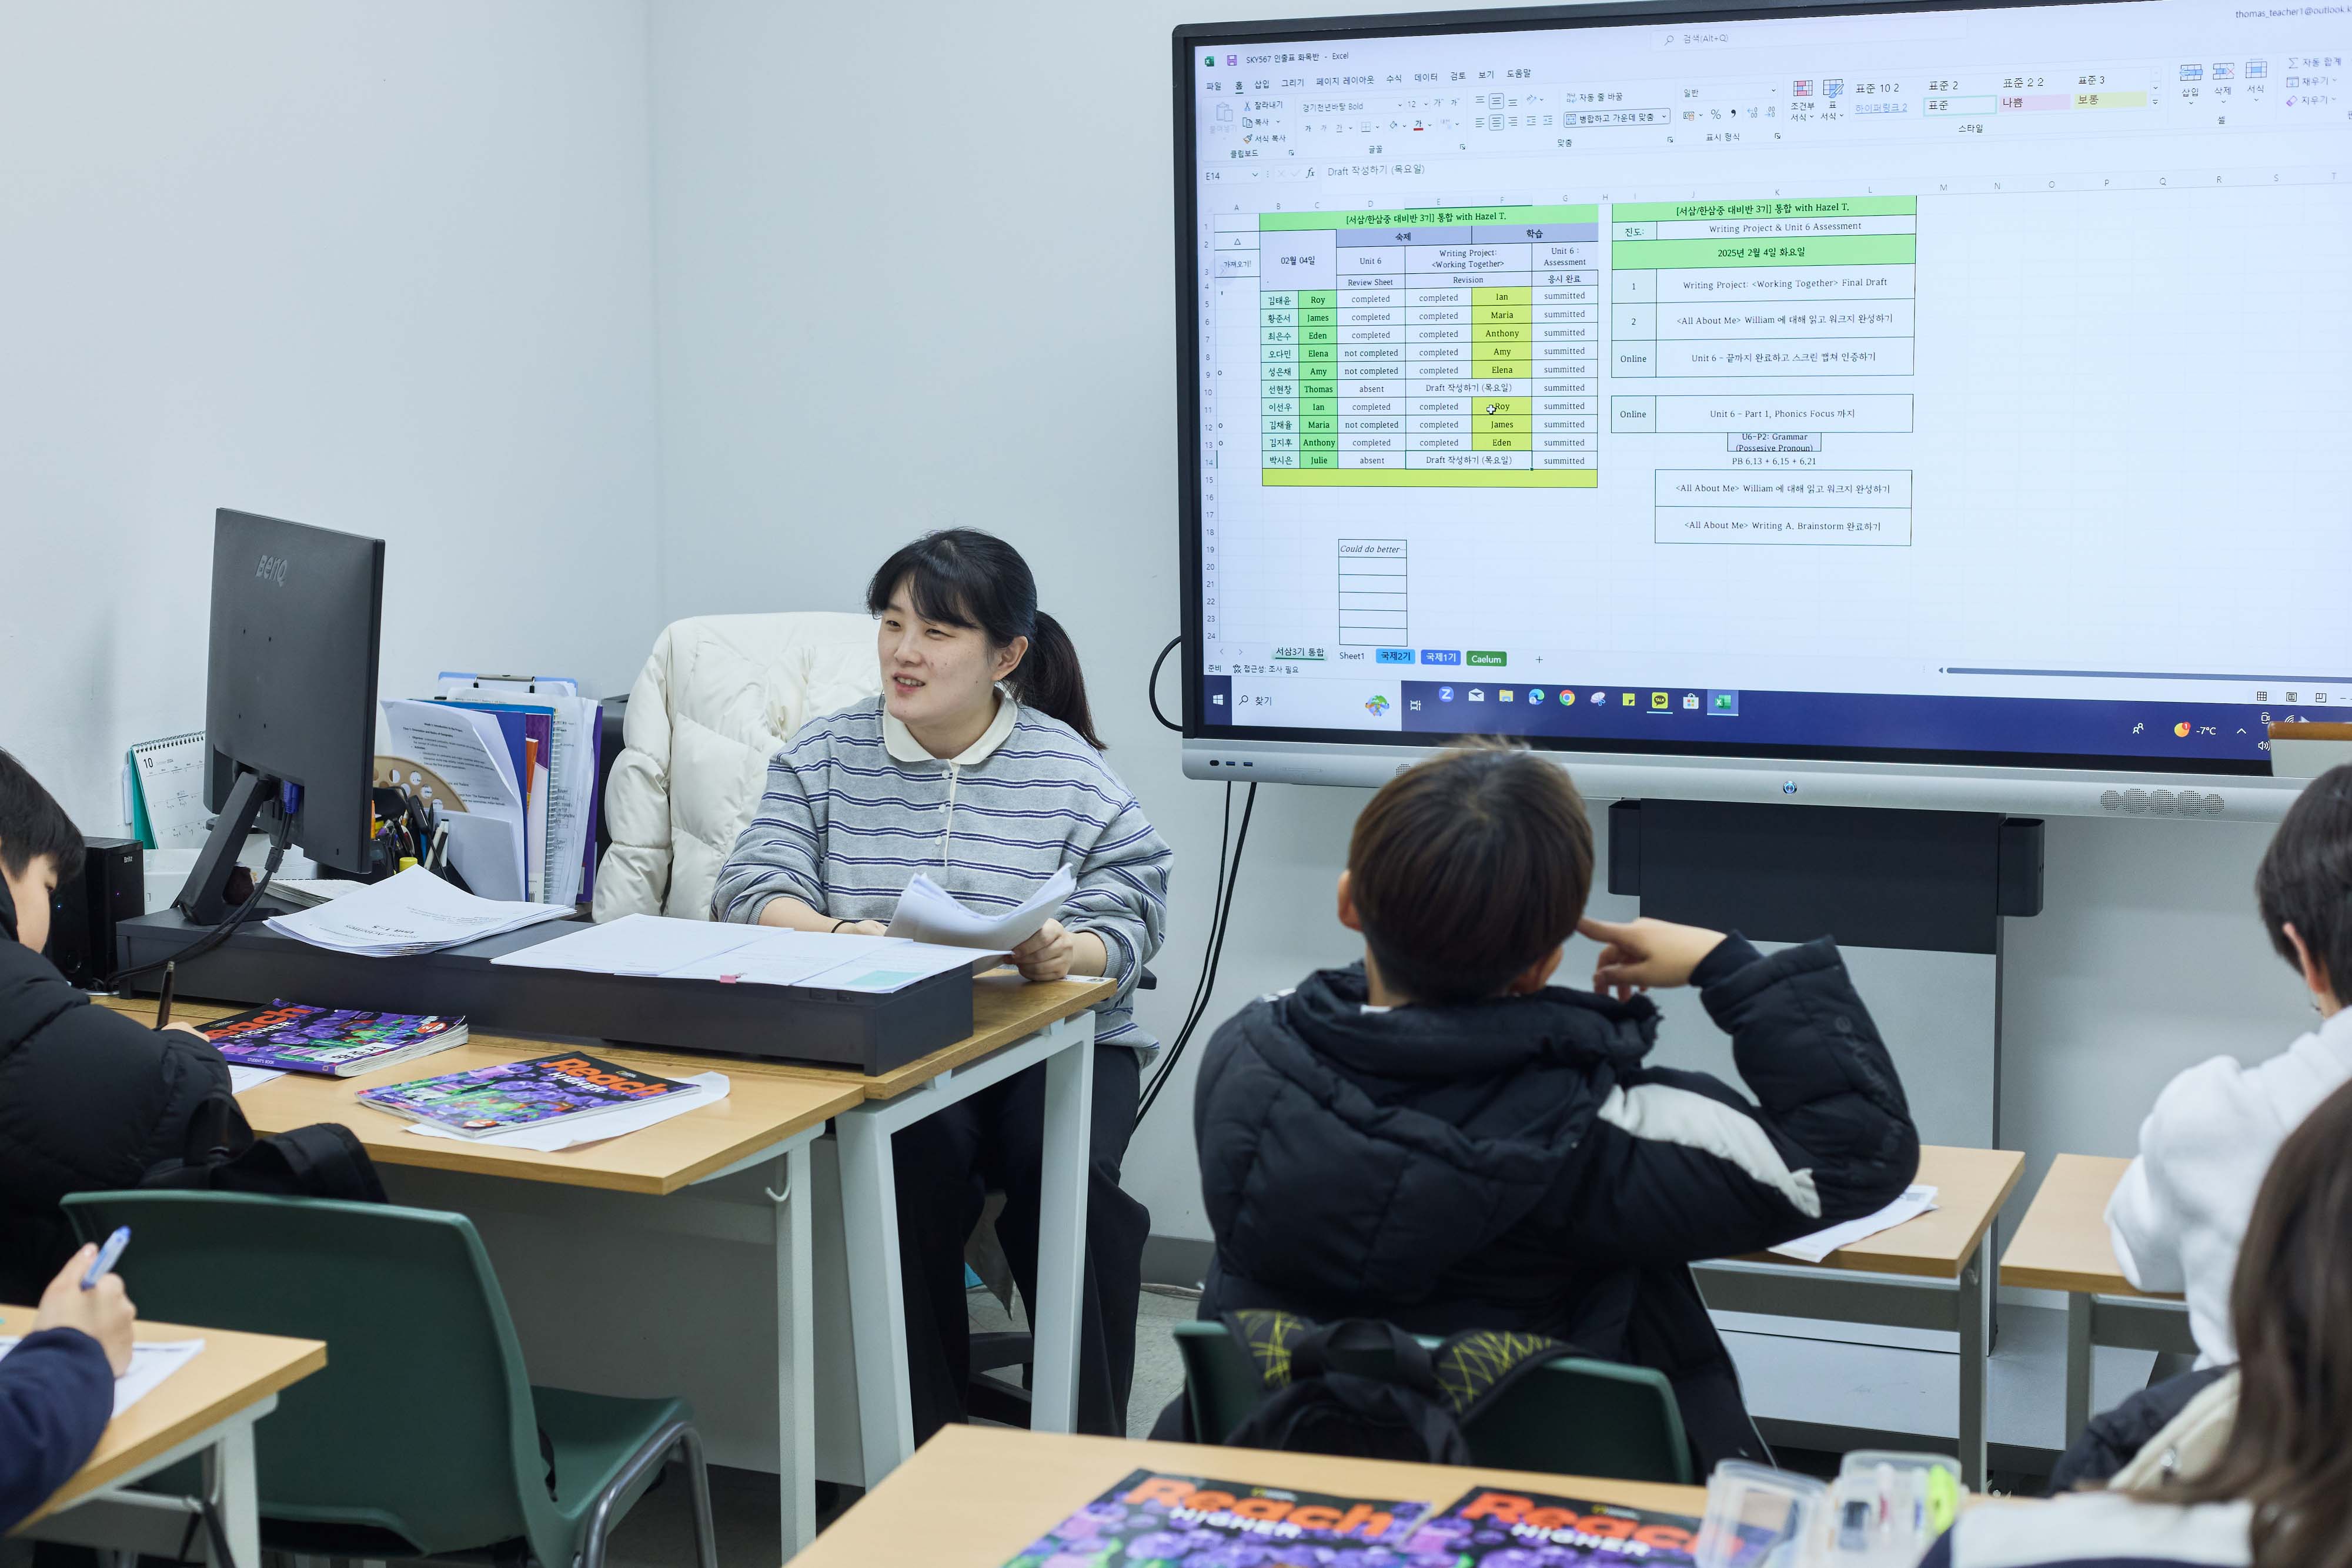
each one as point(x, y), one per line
point(1152, 685)
point(1221, 900)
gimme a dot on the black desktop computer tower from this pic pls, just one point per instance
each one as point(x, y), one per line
point(112, 888)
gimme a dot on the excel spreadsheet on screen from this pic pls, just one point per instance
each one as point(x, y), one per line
point(1965, 384)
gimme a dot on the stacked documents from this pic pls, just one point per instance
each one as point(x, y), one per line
point(521, 756)
point(746, 955)
point(413, 913)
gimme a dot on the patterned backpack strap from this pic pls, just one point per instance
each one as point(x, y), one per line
point(1268, 1335)
point(1476, 1364)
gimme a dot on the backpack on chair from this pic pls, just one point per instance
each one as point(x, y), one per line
point(322, 1160)
point(1414, 1410)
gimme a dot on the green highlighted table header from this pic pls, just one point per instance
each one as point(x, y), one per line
point(1775, 207)
point(1428, 217)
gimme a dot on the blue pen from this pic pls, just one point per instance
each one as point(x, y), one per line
point(107, 1255)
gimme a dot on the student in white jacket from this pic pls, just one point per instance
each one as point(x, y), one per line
point(2181, 1212)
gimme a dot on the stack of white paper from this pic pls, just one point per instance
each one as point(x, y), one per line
point(413, 913)
point(1915, 1202)
point(929, 912)
point(745, 955)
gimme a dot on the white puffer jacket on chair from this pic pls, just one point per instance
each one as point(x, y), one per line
point(720, 695)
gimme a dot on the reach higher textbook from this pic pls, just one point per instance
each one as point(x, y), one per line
point(1155, 1521)
point(530, 1094)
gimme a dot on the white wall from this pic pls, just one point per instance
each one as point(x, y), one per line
point(384, 269)
point(915, 269)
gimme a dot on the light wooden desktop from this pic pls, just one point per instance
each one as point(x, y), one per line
point(767, 1102)
point(234, 1371)
point(2063, 1244)
point(1970, 1187)
point(972, 1496)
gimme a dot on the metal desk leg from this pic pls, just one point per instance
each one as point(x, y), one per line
point(2079, 1310)
point(1062, 1228)
point(795, 1359)
point(878, 1304)
point(229, 1479)
point(1975, 1334)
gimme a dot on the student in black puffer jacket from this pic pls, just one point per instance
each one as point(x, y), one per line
point(1438, 1137)
point(89, 1099)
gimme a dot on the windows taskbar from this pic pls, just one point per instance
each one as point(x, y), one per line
point(1882, 725)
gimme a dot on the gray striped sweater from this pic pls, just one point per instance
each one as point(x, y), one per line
point(854, 807)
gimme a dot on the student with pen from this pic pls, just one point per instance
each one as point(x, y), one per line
point(89, 1100)
point(57, 1388)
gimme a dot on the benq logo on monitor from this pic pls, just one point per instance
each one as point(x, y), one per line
point(270, 569)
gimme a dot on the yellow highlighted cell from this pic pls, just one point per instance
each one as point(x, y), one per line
point(1481, 297)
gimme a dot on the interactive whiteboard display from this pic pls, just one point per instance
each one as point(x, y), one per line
point(1962, 386)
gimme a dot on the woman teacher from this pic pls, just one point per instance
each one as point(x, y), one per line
point(978, 766)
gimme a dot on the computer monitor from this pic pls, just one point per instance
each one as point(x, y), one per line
point(290, 696)
point(1901, 403)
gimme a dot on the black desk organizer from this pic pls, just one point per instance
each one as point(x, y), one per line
point(870, 1032)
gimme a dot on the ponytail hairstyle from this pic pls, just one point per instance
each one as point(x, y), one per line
point(2291, 1304)
point(962, 576)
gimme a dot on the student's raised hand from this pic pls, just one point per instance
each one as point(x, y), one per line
point(1640, 954)
point(103, 1311)
point(1046, 956)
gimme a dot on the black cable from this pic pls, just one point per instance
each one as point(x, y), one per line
point(1204, 993)
point(228, 927)
point(1152, 685)
point(1216, 898)
point(1207, 987)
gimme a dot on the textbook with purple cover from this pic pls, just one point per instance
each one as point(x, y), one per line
point(338, 1042)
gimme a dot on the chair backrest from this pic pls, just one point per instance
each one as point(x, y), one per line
point(421, 1422)
point(1574, 1416)
point(719, 697)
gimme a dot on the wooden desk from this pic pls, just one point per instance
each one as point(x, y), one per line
point(765, 1106)
point(208, 1407)
point(2063, 1244)
point(974, 1496)
point(1927, 1272)
point(772, 1112)
point(1017, 1026)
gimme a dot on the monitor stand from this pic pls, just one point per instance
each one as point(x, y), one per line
point(203, 898)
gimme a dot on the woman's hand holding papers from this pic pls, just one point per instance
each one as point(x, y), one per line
point(1055, 954)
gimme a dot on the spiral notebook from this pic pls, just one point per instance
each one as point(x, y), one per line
point(163, 783)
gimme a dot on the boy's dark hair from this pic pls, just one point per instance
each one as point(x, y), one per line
point(1467, 869)
point(2305, 877)
point(32, 824)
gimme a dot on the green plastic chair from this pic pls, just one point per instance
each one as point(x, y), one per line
point(421, 1436)
point(1574, 1418)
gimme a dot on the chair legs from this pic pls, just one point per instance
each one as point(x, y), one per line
point(678, 1437)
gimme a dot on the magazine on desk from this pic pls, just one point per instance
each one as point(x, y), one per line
point(338, 1042)
point(538, 1093)
point(1499, 1526)
point(1156, 1520)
